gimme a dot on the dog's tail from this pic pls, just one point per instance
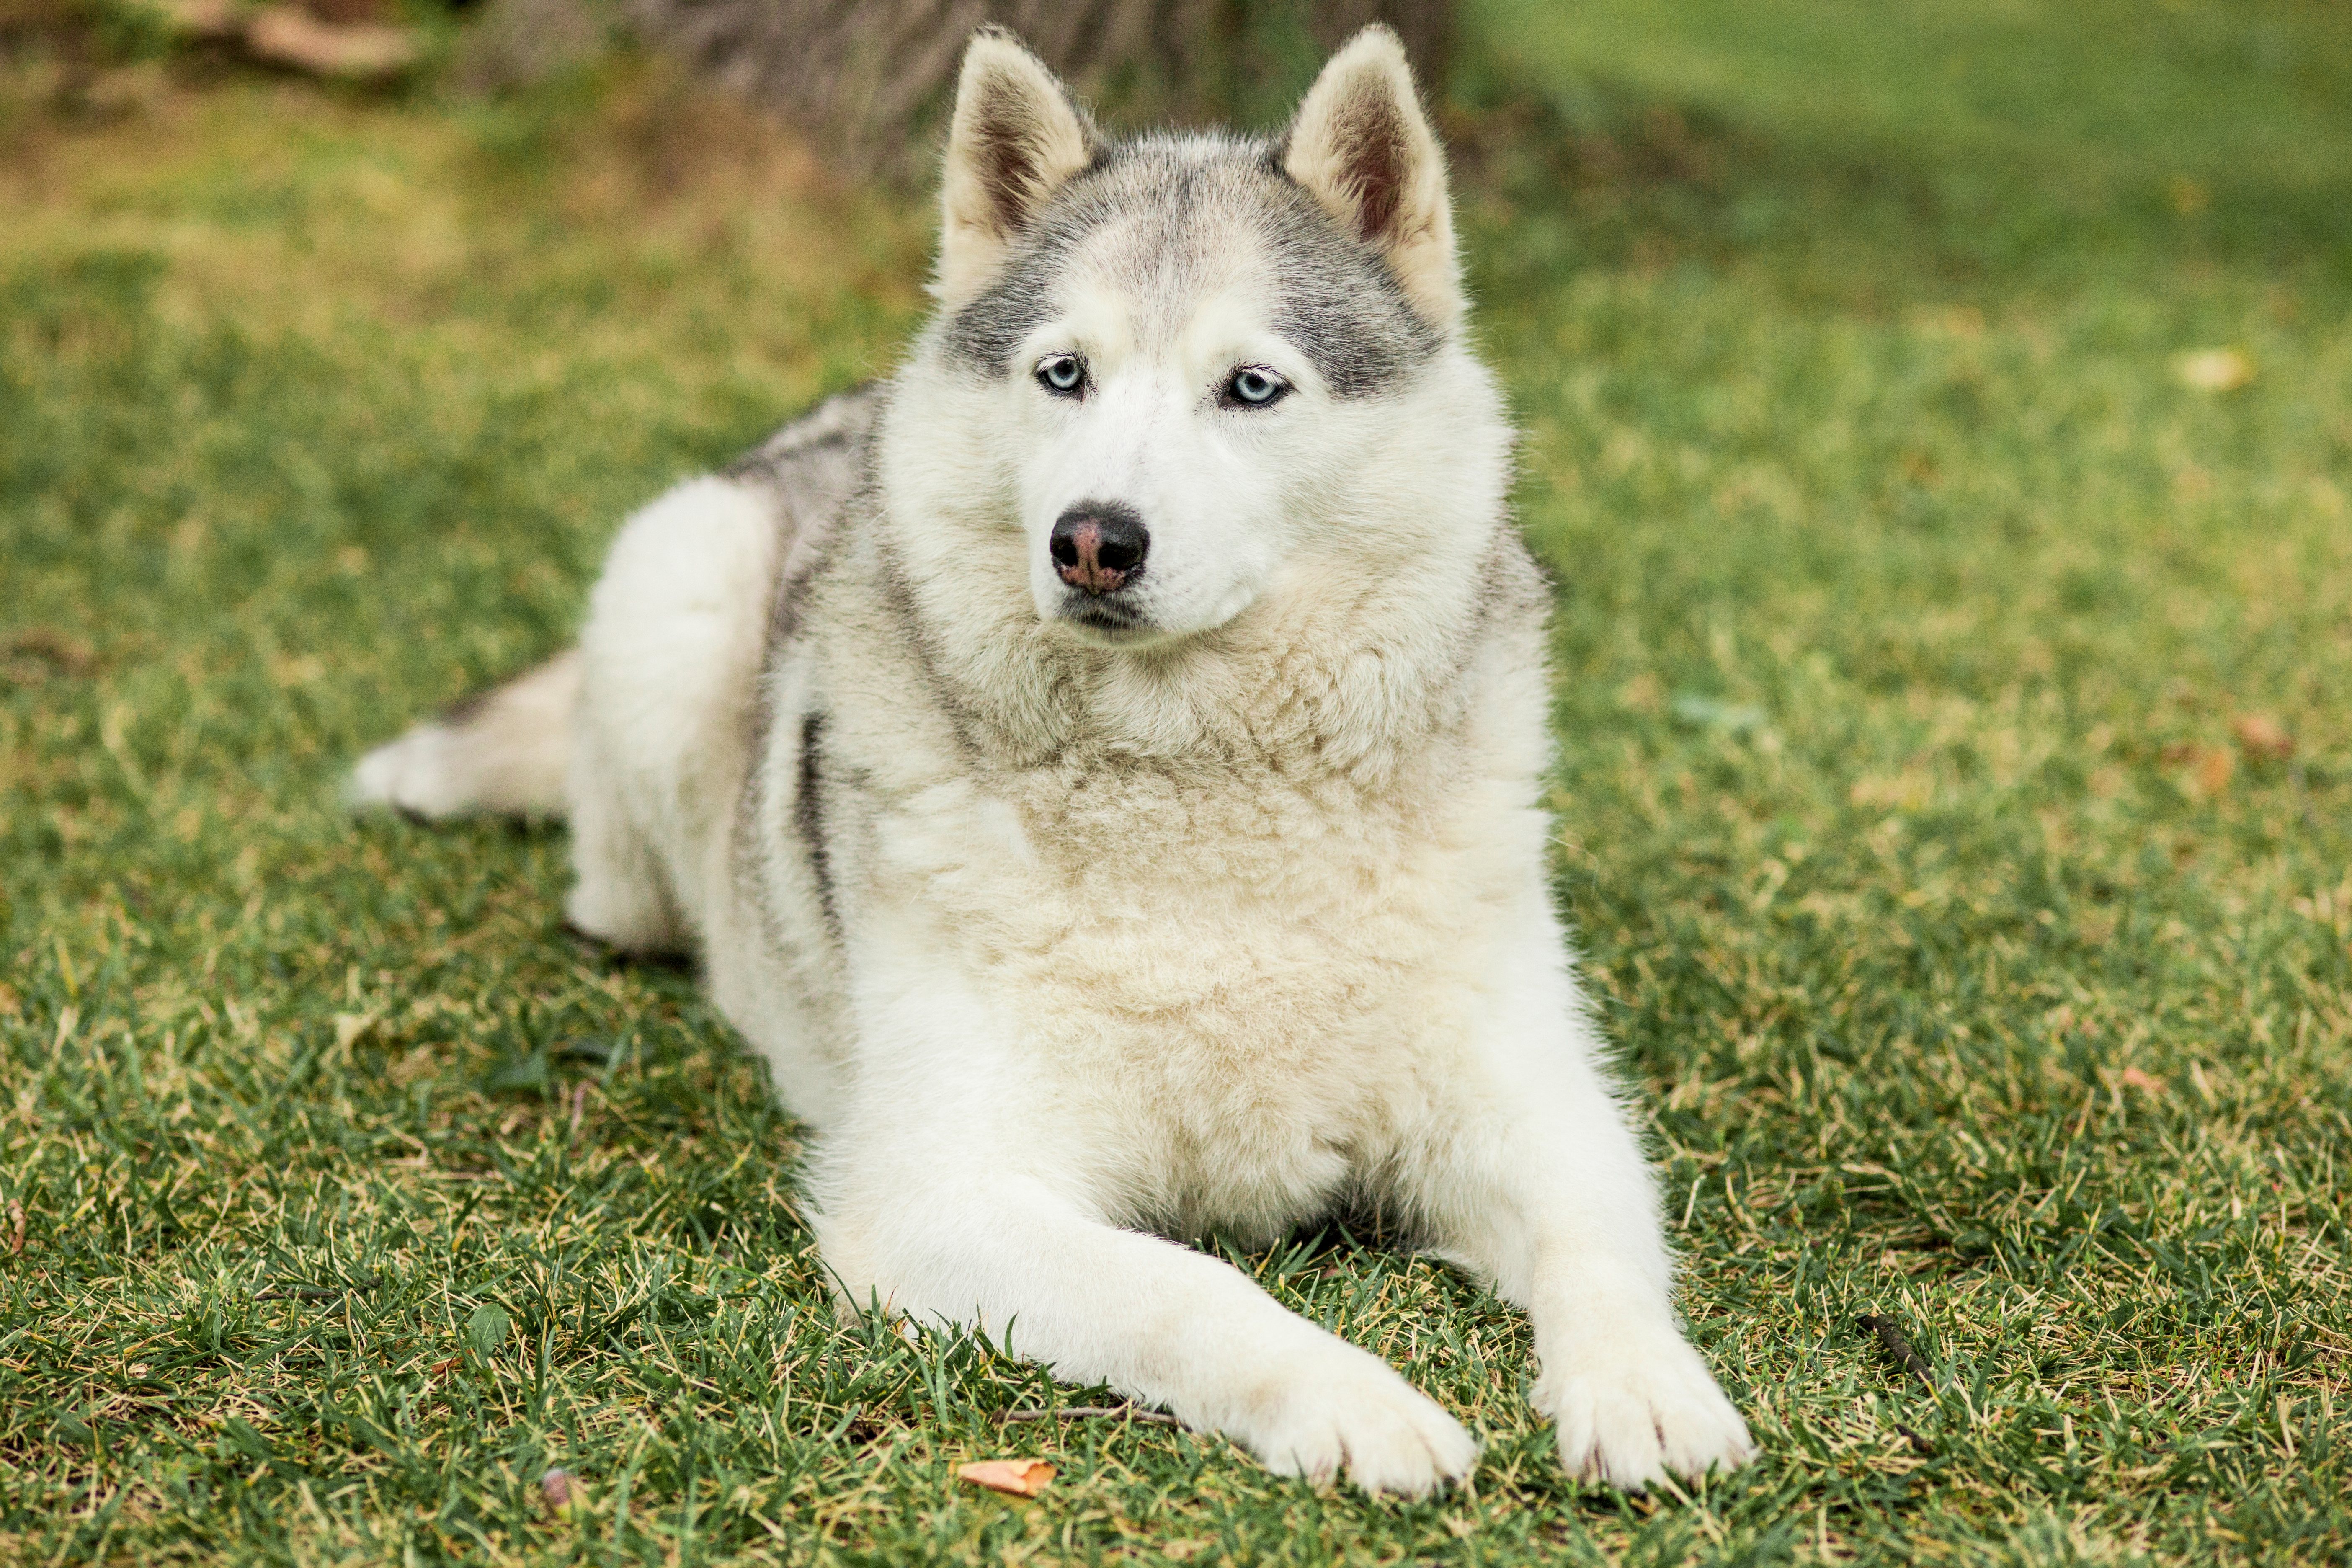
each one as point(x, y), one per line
point(503, 751)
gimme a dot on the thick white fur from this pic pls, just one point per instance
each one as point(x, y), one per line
point(1211, 927)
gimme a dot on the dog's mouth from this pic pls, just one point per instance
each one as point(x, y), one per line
point(1107, 621)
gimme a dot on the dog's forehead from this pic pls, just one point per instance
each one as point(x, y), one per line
point(1169, 224)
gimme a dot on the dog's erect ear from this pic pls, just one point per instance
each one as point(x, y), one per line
point(1017, 136)
point(1362, 145)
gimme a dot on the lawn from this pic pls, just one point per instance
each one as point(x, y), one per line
point(1955, 793)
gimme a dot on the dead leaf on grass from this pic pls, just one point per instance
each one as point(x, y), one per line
point(2213, 369)
point(2259, 735)
point(16, 1227)
point(561, 1491)
point(2215, 766)
point(2132, 1078)
point(286, 35)
point(1017, 1477)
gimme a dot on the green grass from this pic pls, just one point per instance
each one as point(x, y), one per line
point(1972, 969)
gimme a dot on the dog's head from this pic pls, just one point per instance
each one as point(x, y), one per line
point(1179, 372)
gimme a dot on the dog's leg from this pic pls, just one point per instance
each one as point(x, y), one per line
point(669, 669)
point(940, 1196)
point(620, 890)
point(1542, 1189)
point(1162, 1323)
point(501, 752)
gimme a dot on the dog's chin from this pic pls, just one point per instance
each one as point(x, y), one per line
point(1099, 623)
point(1121, 621)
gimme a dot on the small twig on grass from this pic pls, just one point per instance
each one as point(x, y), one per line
point(66, 653)
point(318, 1292)
point(1890, 1338)
point(1084, 1411)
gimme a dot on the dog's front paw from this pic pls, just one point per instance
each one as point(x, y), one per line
point(1350, 1411)
point(1633, 1406)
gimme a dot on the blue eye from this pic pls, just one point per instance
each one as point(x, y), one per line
point(1252, 387)
point(1063, 375)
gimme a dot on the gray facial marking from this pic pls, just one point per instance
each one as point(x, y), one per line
point(982, 335)
point(1338, 303)
point(1186, 205)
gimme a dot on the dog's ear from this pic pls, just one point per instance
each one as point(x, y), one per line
point(1362, 145)
point(1016, 137)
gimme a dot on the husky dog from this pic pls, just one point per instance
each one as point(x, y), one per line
point(1099, 771)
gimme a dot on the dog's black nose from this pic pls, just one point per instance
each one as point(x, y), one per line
point(1099, 546)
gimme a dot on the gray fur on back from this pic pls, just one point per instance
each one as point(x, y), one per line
point(809, 470)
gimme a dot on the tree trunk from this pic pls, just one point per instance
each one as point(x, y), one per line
point(869, 77)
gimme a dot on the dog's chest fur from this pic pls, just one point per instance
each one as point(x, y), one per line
point(1239, 979)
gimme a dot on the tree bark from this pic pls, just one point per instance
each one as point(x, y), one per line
point(868, 77)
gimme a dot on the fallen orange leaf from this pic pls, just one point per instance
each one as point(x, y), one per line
point(2262, 735)
point(287, 36)
point(1021, 1478)
point(2213, 771)
point(2135, 1078)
